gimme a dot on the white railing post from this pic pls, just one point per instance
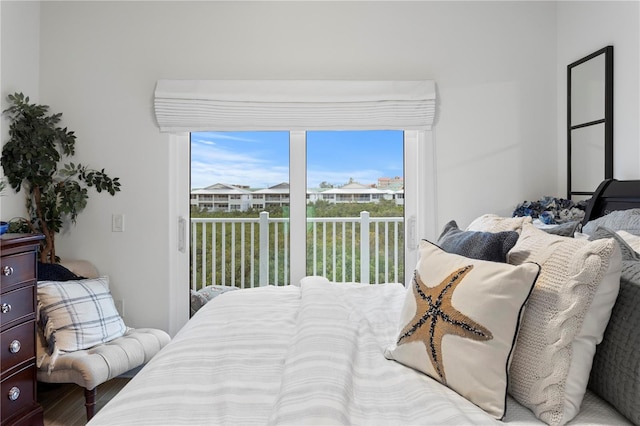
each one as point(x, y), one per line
point(204, 254)
point(194, 257)
point(364, 247)
point(264, 249)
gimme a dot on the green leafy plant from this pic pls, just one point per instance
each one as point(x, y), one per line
point(30, 161)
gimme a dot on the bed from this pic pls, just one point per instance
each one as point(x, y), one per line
point(347, 353)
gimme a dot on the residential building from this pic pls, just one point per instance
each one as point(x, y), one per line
point(229, 198)
point(396, 182)
point(221, 197)
point(274, 196)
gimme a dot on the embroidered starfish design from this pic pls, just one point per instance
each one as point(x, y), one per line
point(435, 317)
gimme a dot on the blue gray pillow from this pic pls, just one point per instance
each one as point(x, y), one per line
point(619, 220)
point(492, 246)
point(567, 229)
point(201, 297)
point(55, 272)
point(615, 374)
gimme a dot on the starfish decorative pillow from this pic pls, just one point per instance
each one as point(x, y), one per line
point(460, 321)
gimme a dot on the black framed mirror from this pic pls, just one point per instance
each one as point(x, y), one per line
point(589, 123)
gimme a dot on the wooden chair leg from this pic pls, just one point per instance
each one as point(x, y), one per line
point(90, 401)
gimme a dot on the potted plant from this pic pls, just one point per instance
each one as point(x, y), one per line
point(30, 161)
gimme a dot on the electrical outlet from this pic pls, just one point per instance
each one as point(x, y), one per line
point(119, 307)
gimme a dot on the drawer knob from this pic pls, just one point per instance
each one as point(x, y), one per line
point(14, 393)
point(7, 270)
point(14, 347)
point(5, 308)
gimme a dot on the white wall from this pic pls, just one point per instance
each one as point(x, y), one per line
point(583, 28)
point(495, 65)
point(19, 72)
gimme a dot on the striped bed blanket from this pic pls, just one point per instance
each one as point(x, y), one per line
point(312, 354)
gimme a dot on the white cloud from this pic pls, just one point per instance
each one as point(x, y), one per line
point(211, 137)
point(216, 158)
point(221, 166)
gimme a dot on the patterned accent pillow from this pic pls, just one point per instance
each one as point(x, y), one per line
point(615, 375)
point(212, 291)
point(492, 246)
point(564, 320)
point(77, 315)
point(197, 301)
point(459, 323)
point(206, 294)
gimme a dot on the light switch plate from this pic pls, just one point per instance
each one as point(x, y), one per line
point(117, 223)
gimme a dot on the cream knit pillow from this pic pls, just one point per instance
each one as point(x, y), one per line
point(564, 319)
point(494, 223)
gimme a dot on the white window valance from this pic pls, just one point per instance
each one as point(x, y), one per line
point(226, 105)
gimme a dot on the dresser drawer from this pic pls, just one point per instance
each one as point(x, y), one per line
point(31, 418)
point(17, 305)
point(18, 345)
point(17, 269)
point(17, 392)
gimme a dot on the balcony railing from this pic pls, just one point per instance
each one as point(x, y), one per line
point(250, 252)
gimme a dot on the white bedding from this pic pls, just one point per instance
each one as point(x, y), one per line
point(299, 355)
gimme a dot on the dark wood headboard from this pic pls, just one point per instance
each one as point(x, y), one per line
point(613, 194)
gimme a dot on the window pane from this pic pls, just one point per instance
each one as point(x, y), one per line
point(354, 183)
point(239, 208)
point(240, 199)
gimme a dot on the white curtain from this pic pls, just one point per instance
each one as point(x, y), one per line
point(227, 105)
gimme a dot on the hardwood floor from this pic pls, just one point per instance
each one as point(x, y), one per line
point(63, 404)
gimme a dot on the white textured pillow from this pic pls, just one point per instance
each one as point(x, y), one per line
point(77, 314)
point(565, 318)
point(459, 323)
point(495, 223)
point(631, 239)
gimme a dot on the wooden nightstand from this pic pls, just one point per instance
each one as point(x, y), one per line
point(18, 404)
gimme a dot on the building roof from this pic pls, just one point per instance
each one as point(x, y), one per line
point(221, 188)
point(281, 188)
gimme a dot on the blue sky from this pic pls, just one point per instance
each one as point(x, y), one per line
point(261, 159)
